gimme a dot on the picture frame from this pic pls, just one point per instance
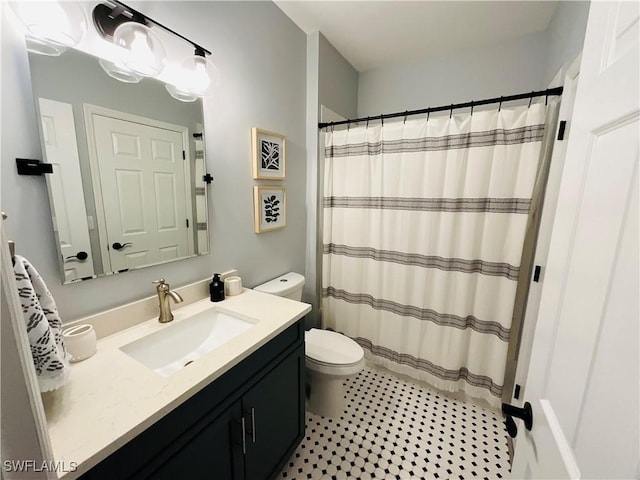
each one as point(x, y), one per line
point(269, 208)
point(269, 155)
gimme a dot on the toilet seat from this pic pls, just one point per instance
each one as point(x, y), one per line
point(325, 348)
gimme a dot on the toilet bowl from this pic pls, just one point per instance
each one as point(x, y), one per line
point(330, 357)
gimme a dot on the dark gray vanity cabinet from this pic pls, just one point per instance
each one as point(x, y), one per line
point(243, 426)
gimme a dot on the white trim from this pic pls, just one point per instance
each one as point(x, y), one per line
point(89, 112)
point(546, 223)
point(561, 442)
point(25, 360)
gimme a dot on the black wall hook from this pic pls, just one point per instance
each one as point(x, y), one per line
point(27, 166)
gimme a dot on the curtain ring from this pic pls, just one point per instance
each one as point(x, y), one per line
point(348, 125)
point(405, 116)
point(546, 99)
point(381, 120)
point(428, 113)
point(367, 123)
point(530, 99)
point(332, 125)
point(500, 105)
point(451, 111)
point(471, 108)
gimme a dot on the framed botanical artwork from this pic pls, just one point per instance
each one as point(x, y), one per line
point(269, 208)
point(268, 155)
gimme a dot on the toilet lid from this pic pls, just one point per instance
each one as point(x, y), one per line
point(331, 347)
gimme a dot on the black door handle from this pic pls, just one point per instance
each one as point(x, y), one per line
point(120, 246)
point(82, 256)
point(525, 413)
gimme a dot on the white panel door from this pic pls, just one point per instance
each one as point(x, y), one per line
point(583, 379)
point(143, 192)
point(65, 188)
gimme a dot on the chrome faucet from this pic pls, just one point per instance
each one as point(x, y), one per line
point(164, 294)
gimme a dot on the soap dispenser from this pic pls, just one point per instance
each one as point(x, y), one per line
point(216, 288)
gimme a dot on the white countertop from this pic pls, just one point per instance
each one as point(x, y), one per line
point(111, 397)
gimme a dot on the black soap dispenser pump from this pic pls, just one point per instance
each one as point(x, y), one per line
point(216, 288)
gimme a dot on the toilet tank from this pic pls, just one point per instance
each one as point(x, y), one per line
point(288, 285)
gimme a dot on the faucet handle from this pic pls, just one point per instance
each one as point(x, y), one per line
point(162, 285)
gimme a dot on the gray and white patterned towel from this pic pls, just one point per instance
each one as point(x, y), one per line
point(44, 327)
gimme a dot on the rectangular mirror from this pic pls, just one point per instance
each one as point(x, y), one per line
point(127, 188)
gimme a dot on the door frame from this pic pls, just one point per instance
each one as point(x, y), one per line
point(91, 110)
point(521, 354)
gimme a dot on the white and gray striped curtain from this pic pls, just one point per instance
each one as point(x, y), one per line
point(424, 224)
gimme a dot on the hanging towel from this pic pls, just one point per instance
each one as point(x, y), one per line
point(44, 327)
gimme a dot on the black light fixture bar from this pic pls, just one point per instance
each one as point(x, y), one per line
point(106, 22)
point(455, 106)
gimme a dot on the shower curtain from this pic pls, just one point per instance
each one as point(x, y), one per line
point(424, 224)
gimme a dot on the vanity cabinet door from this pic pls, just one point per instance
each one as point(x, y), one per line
point(215, 452)
point(274, 415)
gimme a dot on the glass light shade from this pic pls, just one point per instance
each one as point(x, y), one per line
point(198, 76)
point(144, 52)
point(51, 23)
point(118, 71)
point(180, 94)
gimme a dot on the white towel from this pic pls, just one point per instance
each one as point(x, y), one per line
point(44, 327)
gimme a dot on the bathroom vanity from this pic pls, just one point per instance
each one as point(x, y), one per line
point(237, 412)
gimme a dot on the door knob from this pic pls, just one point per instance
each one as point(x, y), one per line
point(120, 246)
point(525, 413)
point(82, 256)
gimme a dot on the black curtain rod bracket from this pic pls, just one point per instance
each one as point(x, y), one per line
point(475, 103)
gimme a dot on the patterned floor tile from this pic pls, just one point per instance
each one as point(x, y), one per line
point(397, 429)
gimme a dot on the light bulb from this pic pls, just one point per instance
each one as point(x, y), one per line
point(197, 76)
point(144, 52)
point(50, 25)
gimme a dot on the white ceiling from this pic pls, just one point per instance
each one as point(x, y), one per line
point(374, 34)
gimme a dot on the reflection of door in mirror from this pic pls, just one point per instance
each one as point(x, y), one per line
point(65, 189)
point(138, 164)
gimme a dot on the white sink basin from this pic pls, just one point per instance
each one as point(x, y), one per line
point(174, 347)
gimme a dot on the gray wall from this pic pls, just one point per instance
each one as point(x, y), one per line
point(338, 80)
point(333, 82)
point(261, 56)
point(565, 36)
point(474, 74)
point(521, 65)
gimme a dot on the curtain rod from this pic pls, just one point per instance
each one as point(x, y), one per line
point(454, 106)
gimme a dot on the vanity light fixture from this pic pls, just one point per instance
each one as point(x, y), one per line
point(144, 53)
point(52, 26)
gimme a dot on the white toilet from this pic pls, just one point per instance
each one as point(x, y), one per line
point(330, 356)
